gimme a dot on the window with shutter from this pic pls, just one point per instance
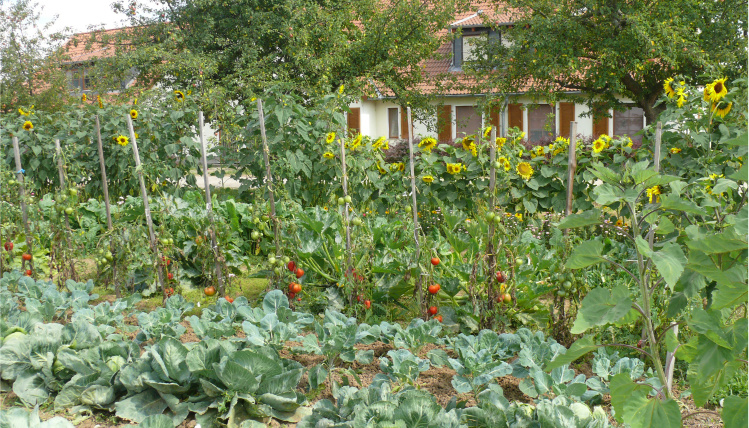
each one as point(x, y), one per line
point(467, 121)
point(541, 123)
point(629, 122)
point(514, 116)
point(354, 122)
point(566, 115)
point(444, 124)
point(393, 122)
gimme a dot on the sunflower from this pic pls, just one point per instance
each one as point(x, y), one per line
point(718, 89)
point(427, 179)
point(598, 146)
point(28, 126)
point(562, 140)
point(653, 193)
point(455, 168)
point(330, 137)
point(674, 150)
point(501, 141)
point(681, 100)
point(381, 143)
point(487, 131)
point(328, 155)
point(468, 143)
point(619, 222)
point(504, 163)
point(381, 169)
point(122, 140)
point(707, 92)
point(722, 108)
point(84, 98)
point(340, 90)
point(519, 216)
point(22, 112)
point(134, 114)
point(668, 87)
point(179, 96)
point(427, 144)
point(525, 170)
point(355, 143)
point(98, 100)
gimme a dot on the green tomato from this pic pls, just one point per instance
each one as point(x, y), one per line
point(356, 221)
point(408, 209)
point(347, 199)
point(497, 219)
point(567, 285)
point(489, 216)
point(277, 271)
point(272, 260)
point(69, 211)
point(286, 260)
point(341, 201)
point(497, 165)
point(255, 234)
point(519, 261)
point(73, 191)
point(109, 256)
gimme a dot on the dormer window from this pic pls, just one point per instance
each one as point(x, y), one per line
point(465, 46)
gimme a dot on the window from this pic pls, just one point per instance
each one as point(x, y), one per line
point(80, 79)
point(465, 46)
point(629, 122)
point(393, 120)
point(467, 121)
point(541, 123)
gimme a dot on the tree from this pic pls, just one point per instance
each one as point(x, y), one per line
point(595, 51)
point(234, 50)
point(30, 72)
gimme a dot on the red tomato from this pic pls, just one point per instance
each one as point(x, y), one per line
point(8, 246)
point(438, 318)
point(170, 275)
point(297, 288)
point(367, 303)
point(291, 295)
point(28, 272)
point(435, 261)
point(291, 287)
point(26, 256)
point(434, 288)
point(229, 299)
point(433, 310)
point(291, 266)
point(299, 273)
point(501, 277)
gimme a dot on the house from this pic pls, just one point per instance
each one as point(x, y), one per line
point(378, 113)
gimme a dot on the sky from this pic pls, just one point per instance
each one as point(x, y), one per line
point(80, 14)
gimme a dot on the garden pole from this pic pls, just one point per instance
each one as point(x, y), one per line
point(268, 176)
point(417, 290)
point(105, 187)
point(209, 208)
point(571, 167)
point(670, 356)
point(146, 207)
point(60, 170)
point(24, 210)
point(492, 262)
point(345, 206)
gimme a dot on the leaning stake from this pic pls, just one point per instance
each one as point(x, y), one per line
point(146, 207)
point(209, 210)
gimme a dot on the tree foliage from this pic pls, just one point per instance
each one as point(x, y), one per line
point(594, 51)
point(237, 49)
point(30, 61)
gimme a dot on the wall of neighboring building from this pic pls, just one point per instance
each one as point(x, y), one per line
point(375, 120)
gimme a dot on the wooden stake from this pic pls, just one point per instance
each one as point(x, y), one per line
point(24, 210)
point(104, 184)
point(61, 172)
point(571, 167)
point(490, 250)
point(346, 205)
point(268, 176)
point(418, 289)
point(209, 209)
point(146, 207)
point(105, 188)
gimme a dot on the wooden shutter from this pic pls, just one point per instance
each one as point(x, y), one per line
point(444, 124)
point(404, 124)
point(354, 121)
point(600, 126)
point(514, 116)
point(494, 118)
point(566, 115)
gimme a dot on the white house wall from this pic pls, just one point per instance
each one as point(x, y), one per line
point(374, 117)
